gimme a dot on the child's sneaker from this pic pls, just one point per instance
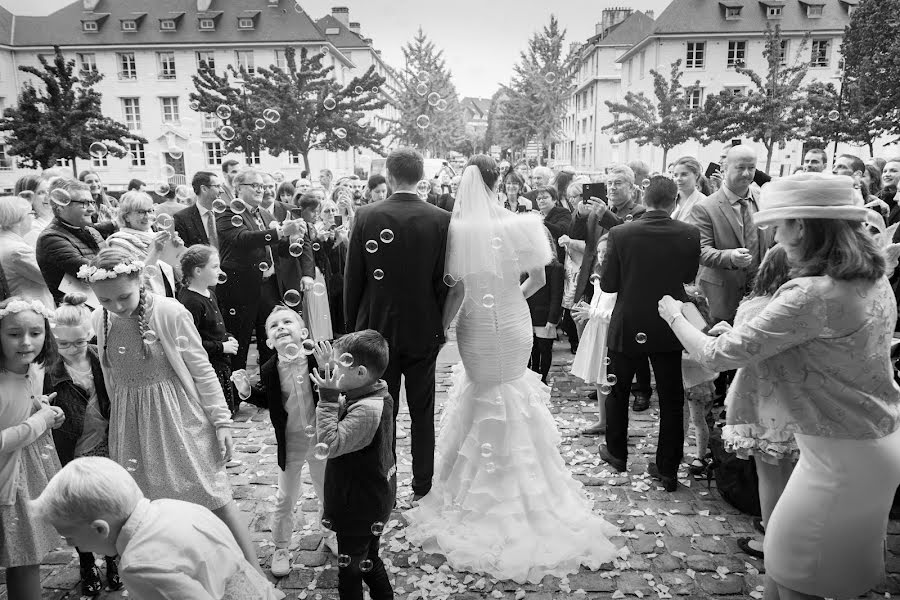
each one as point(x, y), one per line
point(331, 543)
point(281, 562)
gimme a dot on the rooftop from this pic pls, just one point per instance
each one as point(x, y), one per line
point(345, 38)
point(630, 31)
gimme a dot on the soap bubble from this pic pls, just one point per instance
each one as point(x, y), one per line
point(226, 132)
point(150, 337)
point(181, 343)
point(365, 565)
point(165, 221)
point(321, 453)
point(488, 301)
point(611, 379)
point(271, 115)
point(339, 132)
point(594, 279)
point(122, 350)
point(237, 207)
point(98, 150)
point(183, 192)
point(606, 361)
point(387, 236)
point(378, 274)
point(433, 98)
point(60, 197)
point(490, 467)
point(834, 116)
point(292, 297)
point(175, 152)
point(374, 89)
point(371, 246)
point(641, 338)
point(377, 528)
point(496, 243)
point(223, 277)
point(421, 89)
point(423, 76)
point(263, 266)
point(326, 523)
point(259, 124)
point(358, 90)
point(295, 249)
point(278, 176)
point(236, 221)
point(310, 430)
point(423, 121)
point(343, 561)
point(441, 105)
point(605, 389)
point(329, 103)
point(194, 105)
point(449, 281)
point(316, 246)
point(645, 183)
point(168, 171)
point(487, 450)
point(319, 288)
point(162, 188)
point(346, 359)
point(550, 77)
point(422, 188)
point(223, 111)
point(219, 206)
point(292, 351)
point(308, 346)
point(629, 218)
point(232, 312)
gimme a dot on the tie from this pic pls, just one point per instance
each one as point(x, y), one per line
point(269, 256)
point(751, 234)
point(211, 230)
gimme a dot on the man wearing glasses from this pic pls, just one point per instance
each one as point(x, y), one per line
point(70, 240)
point(197, 224)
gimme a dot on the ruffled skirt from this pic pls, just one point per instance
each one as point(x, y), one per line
point(503, 502)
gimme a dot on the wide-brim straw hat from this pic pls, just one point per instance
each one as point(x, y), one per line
point(810, 196)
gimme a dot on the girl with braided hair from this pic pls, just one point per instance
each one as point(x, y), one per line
point(169, 425)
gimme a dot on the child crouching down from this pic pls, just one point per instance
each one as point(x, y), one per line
point(168, 549)
point(355, 420)
point(285, 390)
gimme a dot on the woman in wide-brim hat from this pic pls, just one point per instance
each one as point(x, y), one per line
point(822, 346)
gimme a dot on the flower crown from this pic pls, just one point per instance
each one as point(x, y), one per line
point(17, 306)
point(92, 274)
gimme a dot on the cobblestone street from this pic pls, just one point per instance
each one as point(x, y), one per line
point(678, 545)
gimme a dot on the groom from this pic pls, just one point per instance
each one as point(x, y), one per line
point(645, 260)
point(393, 283)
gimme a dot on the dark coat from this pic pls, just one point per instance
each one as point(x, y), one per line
point(406, 305)
point(290, 269)
point(189, 226)
point(545, 304)
point(557, 222)
point(645, 260)
point(73, 400)
point(267, 394)
point(63, 249)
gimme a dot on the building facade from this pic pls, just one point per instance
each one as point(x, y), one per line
point(148, 52)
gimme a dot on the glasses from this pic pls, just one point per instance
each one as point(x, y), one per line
point(218, 186)
point(83, 203)
point(75, 344)
point(258, 187)
point(143, 212)
point(269, 187)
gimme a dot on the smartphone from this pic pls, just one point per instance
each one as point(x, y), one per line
point(338, 220)
point(593, 190)
point(712, 168)
point(296, 213)
point(521, 208)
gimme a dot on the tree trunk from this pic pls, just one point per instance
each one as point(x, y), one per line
point(74, 169)
point(665, 156)
point(770, 150)
point(871, 146)
point(305, 156)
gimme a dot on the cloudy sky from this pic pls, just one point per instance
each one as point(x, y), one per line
point(481, 39)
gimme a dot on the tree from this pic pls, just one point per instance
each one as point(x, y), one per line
point(841, 116)
point(666, 123)
point(296, 109)
point(871, 60)
point(431, 117)
point(771, 112)
point(536, 96)
point(61, 118)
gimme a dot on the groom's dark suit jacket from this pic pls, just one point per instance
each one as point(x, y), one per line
point(645, 260)
point(405, 306)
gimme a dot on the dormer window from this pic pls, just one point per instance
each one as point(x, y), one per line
point(332, 31)
point(89, 26)
point(814, 11)
point(207, 24)
point(167, 25)
point(245, 23)
point(773, 12)
point(129, 25)
point(733, 12)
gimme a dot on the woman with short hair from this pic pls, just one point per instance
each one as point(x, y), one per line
point(17, 257)
point(820, 351)
point(285, 192)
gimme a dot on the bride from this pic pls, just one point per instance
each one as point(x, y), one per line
point(503, 502)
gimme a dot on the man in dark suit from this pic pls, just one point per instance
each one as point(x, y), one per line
point(645, 260)
point(398, 290)
point(247, 248)
point(197, 224)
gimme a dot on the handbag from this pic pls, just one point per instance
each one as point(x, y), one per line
point(736, 478)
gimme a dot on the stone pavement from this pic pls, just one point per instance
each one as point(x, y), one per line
point(680, 545)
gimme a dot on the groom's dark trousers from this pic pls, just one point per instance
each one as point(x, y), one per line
point(404, 305)
point(646, 259)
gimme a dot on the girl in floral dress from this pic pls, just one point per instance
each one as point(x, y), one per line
point(169, 424)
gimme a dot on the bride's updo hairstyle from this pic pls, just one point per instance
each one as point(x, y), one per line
point(490, 172)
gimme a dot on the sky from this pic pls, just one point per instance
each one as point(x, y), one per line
point(481, 39)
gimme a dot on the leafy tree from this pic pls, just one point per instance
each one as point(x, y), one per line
point(771, 112)
point(536, 96)
point(61, 118)
point(313, 110)
point(871, 61)
point(492, 135)
point(665, 122)
point(848, 117)
point(425, 89)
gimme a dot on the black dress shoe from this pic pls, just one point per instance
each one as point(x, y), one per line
point(592, 395)
point(744, 545)
point(641, 403)
point(619, 464)
point(670, 484)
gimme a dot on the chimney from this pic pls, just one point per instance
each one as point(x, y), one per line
point(203, 5)
point(368, 41)
point(342, 14)
point(90, 5)
point(650, 14)
point(613, 16)
point(598, 28)
point(354, 27)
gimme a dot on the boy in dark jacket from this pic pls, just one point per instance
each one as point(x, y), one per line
point(355, 426)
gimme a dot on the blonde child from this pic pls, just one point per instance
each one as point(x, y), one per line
point(76, 378)
point(200, 274)
point(169, 423)
point(27, 456)
point(167, 548)
point(285, 390)
point(699, 390)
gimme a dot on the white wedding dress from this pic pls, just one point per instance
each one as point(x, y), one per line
point(503, 502)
